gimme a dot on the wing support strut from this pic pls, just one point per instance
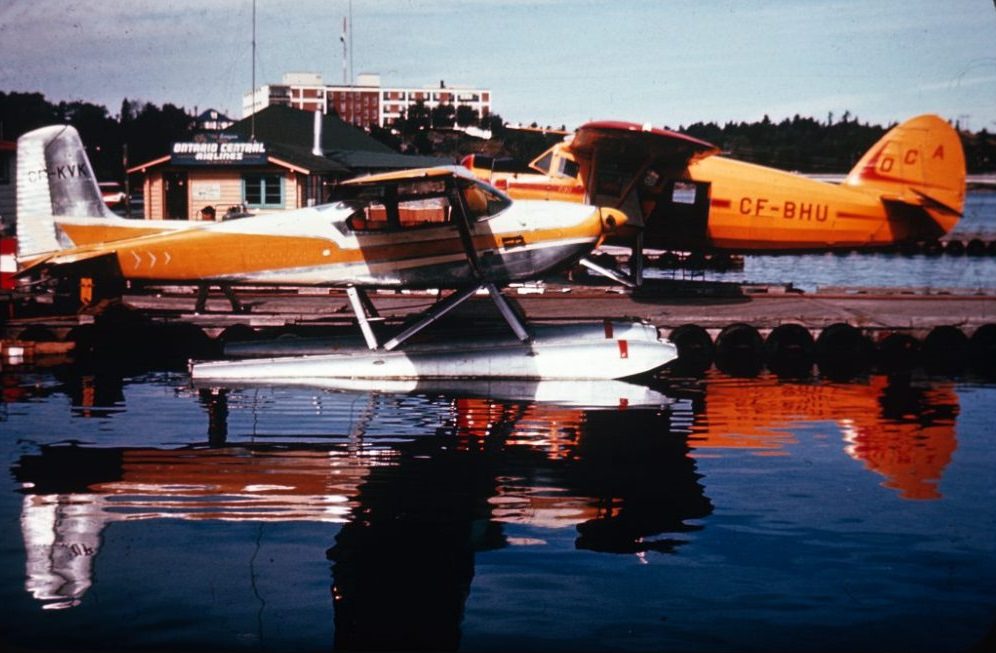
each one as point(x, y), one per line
point(605, 272)
point(507, 313)
point(438, 310)
point(636, 260)
point(365, 313)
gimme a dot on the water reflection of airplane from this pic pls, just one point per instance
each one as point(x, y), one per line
point(680, 194)
point(430, 228)
point(562, 393)
point(412, 519)
point(898, 430)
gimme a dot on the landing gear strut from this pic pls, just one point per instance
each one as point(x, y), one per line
point(366, 313)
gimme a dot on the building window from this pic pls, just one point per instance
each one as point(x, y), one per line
point(263, 191)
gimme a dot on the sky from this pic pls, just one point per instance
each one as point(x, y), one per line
point(555, 62)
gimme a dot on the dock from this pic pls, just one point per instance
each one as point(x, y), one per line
point(738, 327)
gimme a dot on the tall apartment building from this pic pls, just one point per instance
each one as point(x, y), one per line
point(364, 103)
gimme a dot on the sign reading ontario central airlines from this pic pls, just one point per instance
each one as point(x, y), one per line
point(205, 153)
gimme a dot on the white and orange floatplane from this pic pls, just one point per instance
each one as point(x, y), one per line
point(427, 228)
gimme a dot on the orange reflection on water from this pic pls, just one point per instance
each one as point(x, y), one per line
point(550, 428)
point(898, 430)
point(235, 483)
point(912, 442)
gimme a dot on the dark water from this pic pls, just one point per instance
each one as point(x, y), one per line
point(737, 514)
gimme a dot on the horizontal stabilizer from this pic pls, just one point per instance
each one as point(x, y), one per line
point(937, 205)
point(66, 261)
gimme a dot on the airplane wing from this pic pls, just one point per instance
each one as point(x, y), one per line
point(630, 141)
point(614, 156)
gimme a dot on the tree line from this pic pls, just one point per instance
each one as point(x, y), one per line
point(810, 145)
point(145, 131)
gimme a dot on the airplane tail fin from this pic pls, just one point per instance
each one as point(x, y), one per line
point(920, 165)
point(54, 179)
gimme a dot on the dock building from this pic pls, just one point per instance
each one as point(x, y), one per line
point(366, 103)
point(280, 158)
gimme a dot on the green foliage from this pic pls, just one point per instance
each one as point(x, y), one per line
point(22, 112)
point(980, 151)
point(807, 145)
point(414, 120)
point(148, 130)
point(443, 116)
point(801, 144)
point(526, 145)
point(387, 137)
point(466, 116)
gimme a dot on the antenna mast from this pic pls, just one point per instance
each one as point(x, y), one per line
point(351, 43)
point(342, 37)
point(252, 116)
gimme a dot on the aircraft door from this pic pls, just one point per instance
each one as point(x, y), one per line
point(175, 198)
point(680, 216)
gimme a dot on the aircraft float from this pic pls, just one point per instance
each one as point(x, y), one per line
point(678, 193)
point(426, 228)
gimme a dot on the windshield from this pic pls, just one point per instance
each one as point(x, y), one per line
point(482, 201)
point(556, 162)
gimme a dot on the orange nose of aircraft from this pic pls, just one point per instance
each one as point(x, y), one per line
point(612, 219)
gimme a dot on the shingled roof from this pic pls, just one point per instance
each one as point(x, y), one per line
point(342, 143)
point(280, 124)
point(289, 133)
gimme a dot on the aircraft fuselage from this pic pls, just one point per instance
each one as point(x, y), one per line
point(909, 186)
point(317, 246)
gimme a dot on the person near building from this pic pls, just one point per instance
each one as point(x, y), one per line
point(208, 214)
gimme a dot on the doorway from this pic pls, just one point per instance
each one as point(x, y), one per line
point(175, 195)
point(681, 215)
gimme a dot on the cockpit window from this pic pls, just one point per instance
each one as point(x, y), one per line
point(368, 216)
point(421, 211)
point(397, 206)
point(556, 163)
point(482, 201)
point(415, 203)
point(543, 163)
point(569, 168)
